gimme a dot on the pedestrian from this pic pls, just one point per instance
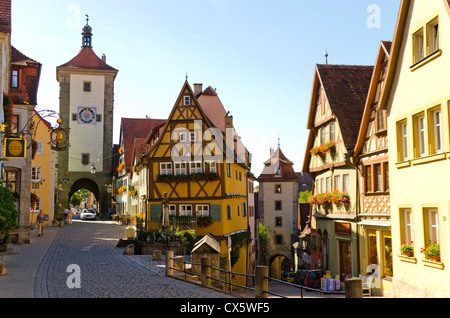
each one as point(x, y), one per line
point(40, 222)
point(66, 213)
point(70, 215)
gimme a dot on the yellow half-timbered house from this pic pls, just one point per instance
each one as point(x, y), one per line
point(200, 163)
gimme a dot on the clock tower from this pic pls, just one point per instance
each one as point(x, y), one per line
point(86, 108)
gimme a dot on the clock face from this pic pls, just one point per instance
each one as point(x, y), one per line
point(86, 115)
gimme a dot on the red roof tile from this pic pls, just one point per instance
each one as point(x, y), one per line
point(278, 160)
point(132, 129)
point(87, 59)
point(28, 79)
point(346, 87)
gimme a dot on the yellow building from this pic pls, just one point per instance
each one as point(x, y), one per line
point(417, 100)
point(42, 170)
point(200, 162)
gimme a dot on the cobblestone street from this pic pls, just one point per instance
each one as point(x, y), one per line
point(105, 271)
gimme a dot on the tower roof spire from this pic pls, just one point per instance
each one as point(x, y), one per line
point(87, 34)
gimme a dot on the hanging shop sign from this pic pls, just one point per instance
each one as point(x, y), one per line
point(15, 148)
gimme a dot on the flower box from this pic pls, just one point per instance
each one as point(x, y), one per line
point(204, 176)
point(323, 149)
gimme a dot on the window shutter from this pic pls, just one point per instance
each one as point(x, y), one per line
point(216, 212)
point(155, 212)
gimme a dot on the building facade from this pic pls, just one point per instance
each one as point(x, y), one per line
point(337, 104)
point(203, 175)
point(43, 171)
point(416, 98)
point(371, 155)
point(278, 208)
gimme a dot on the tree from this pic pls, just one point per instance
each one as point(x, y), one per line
point(303, 196)
point(79, 196)
point(8, 214)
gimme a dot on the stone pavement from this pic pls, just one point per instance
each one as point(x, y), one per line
point(41, 268)
point(21, 269)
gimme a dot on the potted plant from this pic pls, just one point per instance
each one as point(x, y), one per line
point(131, 232)
point(432, 251)
point(407, 249)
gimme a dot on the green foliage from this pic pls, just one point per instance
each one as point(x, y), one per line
point(8, 214)
point(238, 241)
point(263, 233)
point(303, 196)
point(79, 196)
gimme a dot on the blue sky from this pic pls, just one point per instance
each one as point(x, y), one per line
point(259, 55)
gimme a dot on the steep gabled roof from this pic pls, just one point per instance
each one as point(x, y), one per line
point(278, 161)
point(132, 129)
point(29, 79)
point(346, 88)
point(383, 54)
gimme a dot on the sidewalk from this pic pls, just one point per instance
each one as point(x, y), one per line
point(21, 269)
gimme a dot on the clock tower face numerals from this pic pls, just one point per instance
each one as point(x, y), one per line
point(86, 115)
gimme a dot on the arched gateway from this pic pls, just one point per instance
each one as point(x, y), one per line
point(86, 107)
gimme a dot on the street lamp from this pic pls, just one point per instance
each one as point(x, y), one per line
point(93, 170)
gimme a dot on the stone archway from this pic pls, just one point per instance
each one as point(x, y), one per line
point(279, 264)
point(89, 185)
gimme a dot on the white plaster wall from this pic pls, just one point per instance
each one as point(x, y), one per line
point(86, 138)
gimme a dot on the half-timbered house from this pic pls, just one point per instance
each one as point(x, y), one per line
point(199, 162)
point(371, 154)
point(337, 104)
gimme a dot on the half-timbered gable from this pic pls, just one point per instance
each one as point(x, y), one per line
point(199, 162)
point(337, 104)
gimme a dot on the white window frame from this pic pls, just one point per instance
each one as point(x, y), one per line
point(332, 133)
point(180, 168)
point(404, 129)
point(36, 173)
point(195, 167)
point(407, 214)
point(172, 209)
point(186, 210)
point(346, 181)
point(437, 125)
point(182, 136)
point(187, 100)
point(202, 209)
point(421, 132)
point(38, 206)
point(337, 183)
point(211, 166)
point(433, 223)
point(164, 171)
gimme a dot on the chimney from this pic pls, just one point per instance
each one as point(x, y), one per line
point(198, 89)
point(5, 16)
point(104, 58)
point(228, 121)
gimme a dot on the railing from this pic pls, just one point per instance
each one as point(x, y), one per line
point(261, 278)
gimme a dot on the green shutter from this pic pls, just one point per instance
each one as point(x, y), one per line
point(155, 212)
point(216, 212)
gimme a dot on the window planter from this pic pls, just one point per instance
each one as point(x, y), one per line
point(325, 200)
point(205, 176)
point(322, 150)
